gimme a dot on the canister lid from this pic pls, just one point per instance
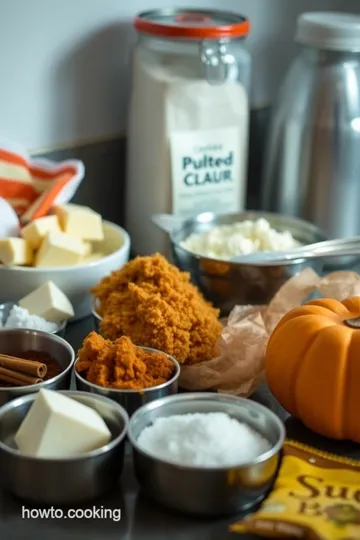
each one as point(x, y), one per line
point(329, 30)
point(192, 24)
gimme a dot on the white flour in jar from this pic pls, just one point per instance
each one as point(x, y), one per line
point(187, 146)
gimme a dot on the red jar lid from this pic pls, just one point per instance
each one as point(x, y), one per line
point(192, 24)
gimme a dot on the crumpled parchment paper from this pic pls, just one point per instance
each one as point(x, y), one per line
point(240, 367)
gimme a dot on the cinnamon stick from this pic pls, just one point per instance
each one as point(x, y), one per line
point(10, 380)
point(34, 368)
point(18, 379)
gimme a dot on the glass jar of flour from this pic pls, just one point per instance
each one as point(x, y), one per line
point(189, 115)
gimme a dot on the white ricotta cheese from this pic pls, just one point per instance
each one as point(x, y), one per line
point(228, 241)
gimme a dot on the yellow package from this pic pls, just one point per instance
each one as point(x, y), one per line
point(316, 497)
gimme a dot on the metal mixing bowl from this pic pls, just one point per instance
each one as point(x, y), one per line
point(204, 491)
point(61, 481)
point(7, 307)
point(131, 400)
point(227, 284)
point(14, 341)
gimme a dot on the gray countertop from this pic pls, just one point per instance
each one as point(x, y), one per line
point(140, 518)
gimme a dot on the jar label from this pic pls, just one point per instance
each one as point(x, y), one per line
point(208, 171)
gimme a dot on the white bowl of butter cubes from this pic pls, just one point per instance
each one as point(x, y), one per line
point(74, 248)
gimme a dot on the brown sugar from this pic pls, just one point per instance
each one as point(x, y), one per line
point(154, 303)
point(121, 364)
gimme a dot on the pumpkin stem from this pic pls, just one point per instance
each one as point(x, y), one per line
point(353, 323)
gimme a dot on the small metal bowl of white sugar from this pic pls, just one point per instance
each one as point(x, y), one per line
point(13, 316)
point(206, 454)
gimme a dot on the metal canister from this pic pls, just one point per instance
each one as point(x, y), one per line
point(312, 163)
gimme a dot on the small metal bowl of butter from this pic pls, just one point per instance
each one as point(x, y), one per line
point(15, 341)
point(68, 480)
point(226, 283)
point(5, 310)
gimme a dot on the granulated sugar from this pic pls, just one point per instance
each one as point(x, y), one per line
point(21, 318)
point(202, 439)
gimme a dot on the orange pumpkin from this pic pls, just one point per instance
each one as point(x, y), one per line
point(313, 366)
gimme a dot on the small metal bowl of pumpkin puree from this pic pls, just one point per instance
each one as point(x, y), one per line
point(132, 399)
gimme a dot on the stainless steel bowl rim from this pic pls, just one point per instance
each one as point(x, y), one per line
point(70, 393)
point(207, 396)
point(140, 390)
point(60, 326)
point(256, 213)
point(125, 245)
point(93, 309)
point(51, 337)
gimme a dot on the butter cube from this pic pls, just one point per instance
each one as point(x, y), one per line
point(48, 302)
point(57, 426)
point(80, 221)
point(36, 230)
point(15, 252)
point(87, 248)
point(71, 207)
point(59, 249)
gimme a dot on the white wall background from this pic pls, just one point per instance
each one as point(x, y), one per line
point(65, 64)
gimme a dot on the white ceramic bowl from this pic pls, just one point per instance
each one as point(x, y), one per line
point(74, 281)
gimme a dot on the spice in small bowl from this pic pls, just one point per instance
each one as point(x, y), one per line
point(128, 374)
point(31, 360)
point(27, 368)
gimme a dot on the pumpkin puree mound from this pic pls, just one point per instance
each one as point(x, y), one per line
point(122, 365)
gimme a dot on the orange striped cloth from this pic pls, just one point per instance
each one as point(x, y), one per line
point(31, 186)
